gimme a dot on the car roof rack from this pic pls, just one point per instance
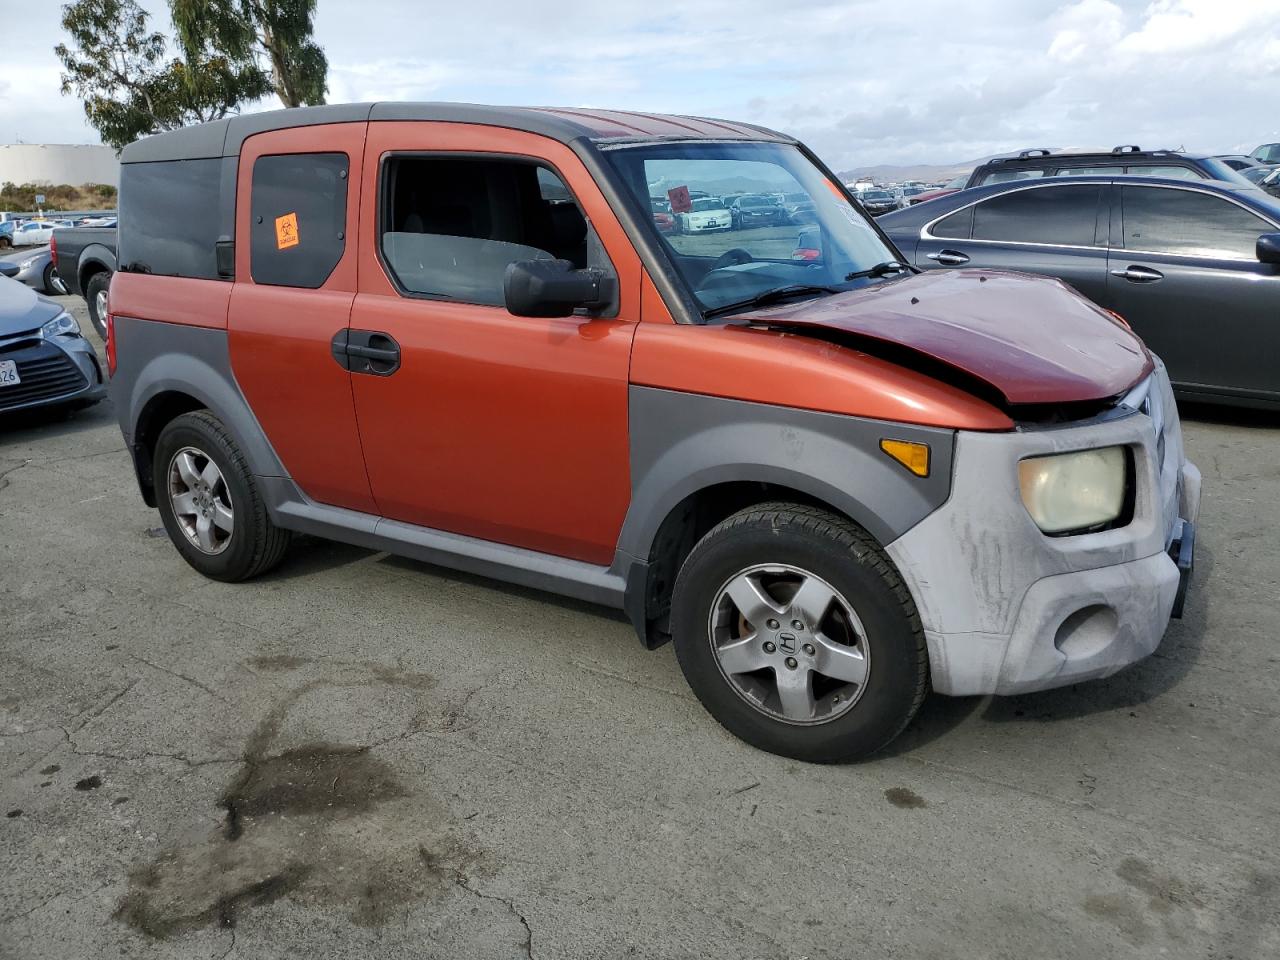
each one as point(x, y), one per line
point(1035, 152)
point(1126, 148)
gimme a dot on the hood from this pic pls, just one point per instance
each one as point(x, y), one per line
point(1032, 339)
point(22, 309)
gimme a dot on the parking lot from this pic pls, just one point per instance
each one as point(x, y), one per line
point(359, 755)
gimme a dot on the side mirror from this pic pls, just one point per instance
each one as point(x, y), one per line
point(552, 288)
point(1269, 248)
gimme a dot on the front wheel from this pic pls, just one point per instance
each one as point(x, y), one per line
point(53, 284)
point(210, 503)
point(796, 632)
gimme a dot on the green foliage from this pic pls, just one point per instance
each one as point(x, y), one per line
point(118, 68)
point(60, 196)
point(272, 34)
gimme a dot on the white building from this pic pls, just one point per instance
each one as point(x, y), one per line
point(58, 163)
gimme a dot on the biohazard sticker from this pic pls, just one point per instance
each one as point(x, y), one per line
point(287, 231)
point(681, 202)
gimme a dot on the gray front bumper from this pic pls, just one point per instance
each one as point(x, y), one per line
point(1007, 609)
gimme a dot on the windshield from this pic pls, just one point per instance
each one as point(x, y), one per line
point(876, 195)
point(700, 205)
point(739, 259)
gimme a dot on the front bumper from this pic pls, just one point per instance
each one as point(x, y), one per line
point(61, 370)
point(1009, 610)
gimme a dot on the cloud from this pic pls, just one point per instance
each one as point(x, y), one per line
point(861, 82)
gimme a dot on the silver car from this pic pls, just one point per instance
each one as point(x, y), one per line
point(37, 269)
point(44, 360)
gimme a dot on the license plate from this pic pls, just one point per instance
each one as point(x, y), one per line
point(9, 373)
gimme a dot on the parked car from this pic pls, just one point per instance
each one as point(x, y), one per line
point(663, 218)
point(708, 214)
point(876, 201)
point(753, 210)
point(1256, 174)
point(36, 269)
point(1267, 153)
point(1194, 268)
point(1238, 161)
point(911, 194)
point(1271, 182)
point(8, 269)
point(6, 235)
point(44, 360)
point(85, 258)
point(1129, 161)
point(950, 187)
point(830, 483)
point(36, 233)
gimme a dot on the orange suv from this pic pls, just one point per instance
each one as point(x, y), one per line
point(456, 333)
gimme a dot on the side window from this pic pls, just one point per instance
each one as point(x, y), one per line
point(956, 226)
point(1008, 176)
point(1165, 170)
point(170, 217)
point(452, 224)
point(298, 218)
point(1061, 216)
point(1189, 223)
point(1091, 171)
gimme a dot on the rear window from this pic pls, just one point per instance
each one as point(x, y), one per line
point(298, 218)
point(169, 216)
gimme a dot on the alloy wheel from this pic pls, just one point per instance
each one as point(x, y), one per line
point(201, 501)
point(789, 643)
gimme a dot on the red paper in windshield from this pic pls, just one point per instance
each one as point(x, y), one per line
point(681, 202)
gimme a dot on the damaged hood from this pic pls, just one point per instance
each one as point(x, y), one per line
point(1032, 339)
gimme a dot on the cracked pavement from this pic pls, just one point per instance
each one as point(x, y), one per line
point(360, 755)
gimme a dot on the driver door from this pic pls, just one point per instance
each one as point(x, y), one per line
point(504, 428)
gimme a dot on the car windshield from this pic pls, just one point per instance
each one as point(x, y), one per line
point(740, 261)
point(876, 195)
point(756, 202)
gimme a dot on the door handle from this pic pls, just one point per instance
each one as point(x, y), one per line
point(366, 351)
point(1138, 274)
point(949, 258)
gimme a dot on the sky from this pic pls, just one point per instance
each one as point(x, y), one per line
point(863, 83)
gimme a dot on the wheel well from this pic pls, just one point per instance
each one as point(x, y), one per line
point(687, 523)
point(158, 412)
point(88, 272)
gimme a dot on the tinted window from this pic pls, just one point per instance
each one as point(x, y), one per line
point(957, 226)
point(1091, 171)
point(1055, 215)
point(299, 216)
point(169, 217)
point(1005, 176)
point(451, 225)
point(1189, 223)
point(1159, 170)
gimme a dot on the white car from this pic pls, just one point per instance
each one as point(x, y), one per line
point(708, 215)
point(36, 233)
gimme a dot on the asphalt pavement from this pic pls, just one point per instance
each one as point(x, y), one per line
point(363, 756)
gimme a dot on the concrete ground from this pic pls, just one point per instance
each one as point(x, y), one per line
point(360, 756)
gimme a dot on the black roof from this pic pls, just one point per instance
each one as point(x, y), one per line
point(224, 138)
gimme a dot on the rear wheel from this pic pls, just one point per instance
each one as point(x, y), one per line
point(210, 503)
point(797, 634)
point(53, 284)
point(95, 295)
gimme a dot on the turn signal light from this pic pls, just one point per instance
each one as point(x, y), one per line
point(913, 456)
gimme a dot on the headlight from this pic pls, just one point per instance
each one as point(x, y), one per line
point(27, 262)
point(1074, 491)
point(63, 325)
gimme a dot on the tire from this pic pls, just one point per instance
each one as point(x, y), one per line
point(95, 295)
point(53, 284)
point(870, 625)
point(253, 544)
point(6, 243)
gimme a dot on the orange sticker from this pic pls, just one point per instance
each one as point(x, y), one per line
point(287, 231)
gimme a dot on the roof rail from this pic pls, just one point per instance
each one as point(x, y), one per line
point(1126, 148)
point(1036, 152)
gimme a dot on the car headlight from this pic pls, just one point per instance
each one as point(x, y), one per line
point(63, 325)
point(27, 263)
point(1070, 492)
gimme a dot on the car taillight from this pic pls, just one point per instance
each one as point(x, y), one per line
point(53, 247)
point(806, 253)
point(111, 344)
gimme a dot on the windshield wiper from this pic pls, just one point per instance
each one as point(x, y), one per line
point(879, 270)
point(776, 295)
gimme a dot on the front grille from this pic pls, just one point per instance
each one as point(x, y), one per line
point(46, 373)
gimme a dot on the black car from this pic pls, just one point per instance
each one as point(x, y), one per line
point(1193, 267)
point(1130, 161)
point(753, 210)
point(876, 202)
